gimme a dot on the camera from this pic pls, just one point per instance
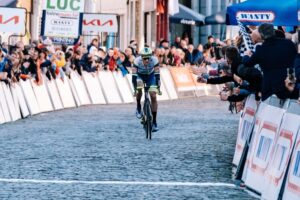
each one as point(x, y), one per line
point(223, 66)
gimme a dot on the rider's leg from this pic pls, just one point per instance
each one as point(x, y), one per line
point(154, 105)
point(138, 100)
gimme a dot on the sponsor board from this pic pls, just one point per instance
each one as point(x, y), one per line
point(12, 20)
point(256, 16)
point(61, 24)
point(99, 23)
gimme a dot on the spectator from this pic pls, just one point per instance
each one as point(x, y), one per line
point(123, 63)
point(164, 44)
point(93, 47)
point(274, 56)
point(177, 42)
point(133, 45)
point(129, 54)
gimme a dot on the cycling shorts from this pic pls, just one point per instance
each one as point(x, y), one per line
point(150, 81)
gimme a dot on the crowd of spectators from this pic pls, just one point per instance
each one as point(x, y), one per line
point(272, 68)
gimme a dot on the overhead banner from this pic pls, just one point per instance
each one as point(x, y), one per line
point(97, 23)
point(12, 20)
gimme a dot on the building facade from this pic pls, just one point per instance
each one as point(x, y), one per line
point(199, 34)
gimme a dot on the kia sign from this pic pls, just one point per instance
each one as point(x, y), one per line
point(61, 24)
point(256, 16)
point(97, 23)
point(64, 5)
point(12, 20)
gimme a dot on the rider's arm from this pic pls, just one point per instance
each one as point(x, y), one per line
point(156, 72)
point(157, 76)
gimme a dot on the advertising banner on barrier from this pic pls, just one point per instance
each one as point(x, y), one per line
point(166, 77)
point(97, 23)
point(280, 155)
point(258, 120)
point(12, 20)
point(183, 79)
point(245, 128)
point(262, 146)
point(292, 186)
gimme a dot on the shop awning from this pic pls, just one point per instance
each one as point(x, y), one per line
point(255, 12)
point(217, 18)
point(187, 16)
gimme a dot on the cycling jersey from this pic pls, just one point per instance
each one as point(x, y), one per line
point(142, 69)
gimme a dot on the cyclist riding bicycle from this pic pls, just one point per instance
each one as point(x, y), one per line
point(146, 70)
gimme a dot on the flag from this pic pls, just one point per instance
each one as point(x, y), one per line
point(247, 44)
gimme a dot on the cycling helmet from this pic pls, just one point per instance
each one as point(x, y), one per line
point(146, 52)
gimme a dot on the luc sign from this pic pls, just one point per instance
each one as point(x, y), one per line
point(64, 5)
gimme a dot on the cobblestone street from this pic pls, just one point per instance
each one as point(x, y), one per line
point(73, 154)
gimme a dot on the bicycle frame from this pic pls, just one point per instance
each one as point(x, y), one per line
point(147, 118)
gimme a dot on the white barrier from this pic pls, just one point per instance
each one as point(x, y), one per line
point(14, 113)
point(167, 79)
point(74, 92)
point(2, 118)
point(109, 87)
point(16, 101)
point(280, 155)
point(81, 90)
point(4, 105)
point(30, 98)
point(65, 93)
point(124, 87)
point(19, 99)
point(292, 186)
point(262, 145)
point(201, 88)
point(164, 92)
point(245, 127)
point(93, 88)
point(42, 96)
point(53, 93)
point(258, 120)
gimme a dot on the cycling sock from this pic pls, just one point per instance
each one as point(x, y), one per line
point(154, 117)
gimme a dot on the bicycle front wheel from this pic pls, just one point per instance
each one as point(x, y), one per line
point(148, 120)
